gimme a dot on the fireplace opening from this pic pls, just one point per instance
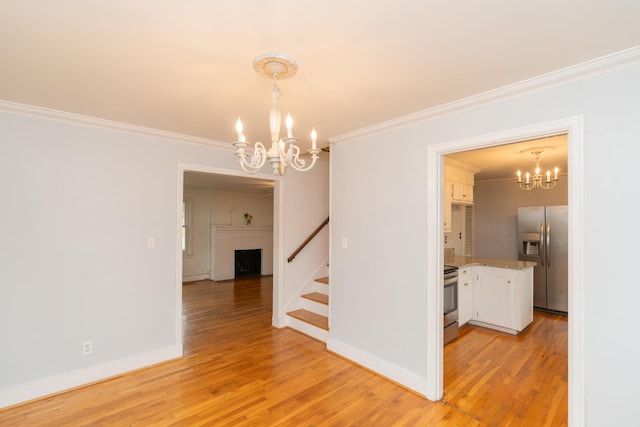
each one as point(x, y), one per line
point(248, 262)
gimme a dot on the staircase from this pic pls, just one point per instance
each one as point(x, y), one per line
point(313, 317)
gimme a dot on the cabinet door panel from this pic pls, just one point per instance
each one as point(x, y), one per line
point(462, 192)
point(465, 300)
point(492, 299)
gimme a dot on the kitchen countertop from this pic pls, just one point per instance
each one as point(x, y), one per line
point(460, 261)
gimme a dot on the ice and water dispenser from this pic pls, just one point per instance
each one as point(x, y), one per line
point(531, 244)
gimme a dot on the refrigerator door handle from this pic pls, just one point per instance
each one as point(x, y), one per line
point(542, 245)
point(548, 249)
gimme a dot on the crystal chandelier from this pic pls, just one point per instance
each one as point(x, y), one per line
point(537, 180)
point(283, 152)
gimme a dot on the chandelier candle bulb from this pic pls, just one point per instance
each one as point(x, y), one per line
point(314, 137)
point(548, 176)
point(239, 130)
point(519, 176)
point(555, 174)
point(527, 176)
point(289, 124)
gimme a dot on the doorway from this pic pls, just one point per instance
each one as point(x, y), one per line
point(229, 179)
point(574, 129)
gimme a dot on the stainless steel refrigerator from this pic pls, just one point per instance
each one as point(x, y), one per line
point(543, 238)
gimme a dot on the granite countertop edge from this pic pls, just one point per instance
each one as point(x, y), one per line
point(462, 261)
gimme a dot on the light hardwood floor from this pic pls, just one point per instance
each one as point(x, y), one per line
point(238, 370)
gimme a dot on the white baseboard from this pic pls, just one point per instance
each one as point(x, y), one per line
point(57, 383)
point(308, 329)
point(388, 370)
point(194, 277)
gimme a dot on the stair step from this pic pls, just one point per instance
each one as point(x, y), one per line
point(314, 319)
point(317, 297)
point(324, 280)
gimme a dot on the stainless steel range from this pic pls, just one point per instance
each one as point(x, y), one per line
point(450, 303)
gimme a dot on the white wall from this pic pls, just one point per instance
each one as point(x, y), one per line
point(306, 207)
point(378, 306)
point(226, 209)
point(81, 197)
point(229, 207)
point(495, 212)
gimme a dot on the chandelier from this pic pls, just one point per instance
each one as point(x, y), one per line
point(283, 152)
point(537, 180)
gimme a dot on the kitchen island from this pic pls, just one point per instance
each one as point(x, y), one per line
point(469, 261)
point(494, 293)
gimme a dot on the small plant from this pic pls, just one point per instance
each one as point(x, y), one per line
point(248, 218)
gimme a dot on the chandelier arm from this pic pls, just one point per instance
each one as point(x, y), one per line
point(527, 187)
point(257, 159)
point(299, 164)
point(289, 157)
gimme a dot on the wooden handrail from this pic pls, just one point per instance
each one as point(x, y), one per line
point(311, 236)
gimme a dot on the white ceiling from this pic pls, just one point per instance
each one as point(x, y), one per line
point(228, 183)
point(186, 67)
point(502, 162)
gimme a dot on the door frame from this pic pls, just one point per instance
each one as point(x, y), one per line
point(573, 127)
point(278, 236)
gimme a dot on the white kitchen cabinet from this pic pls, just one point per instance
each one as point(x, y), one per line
point(458, 186)
point(462, 193)
point(502, 298)
point(448, 192)
point(465, 295)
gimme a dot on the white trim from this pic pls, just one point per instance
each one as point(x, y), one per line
point(278, 319)
point(240, 229)
point(68, 380)
point(395, 373)
point(278, 235)
point(307, 329)
point(577, 408)
point(435, 261)
point(179, 253)
point(195, 277)
point(573, 126)
point(46, 113)
point(606, 64)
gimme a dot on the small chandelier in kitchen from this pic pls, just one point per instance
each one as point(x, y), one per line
point(537, 180)
point(283, 152)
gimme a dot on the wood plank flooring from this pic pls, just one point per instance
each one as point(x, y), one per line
point(239, 371)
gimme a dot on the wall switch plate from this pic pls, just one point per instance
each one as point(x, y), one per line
point(345, 243)
point(87, 347)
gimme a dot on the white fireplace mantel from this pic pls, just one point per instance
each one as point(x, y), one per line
point(225, 240)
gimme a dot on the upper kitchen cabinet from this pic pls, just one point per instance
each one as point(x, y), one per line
point(460, 177)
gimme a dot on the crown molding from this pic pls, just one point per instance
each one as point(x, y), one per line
point(63, 116)
point(605, 64)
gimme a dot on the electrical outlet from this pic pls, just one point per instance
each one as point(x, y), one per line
point(87, 347)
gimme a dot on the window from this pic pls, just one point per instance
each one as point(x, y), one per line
point(186, 227)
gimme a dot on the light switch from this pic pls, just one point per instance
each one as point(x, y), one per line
point(345, 243)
